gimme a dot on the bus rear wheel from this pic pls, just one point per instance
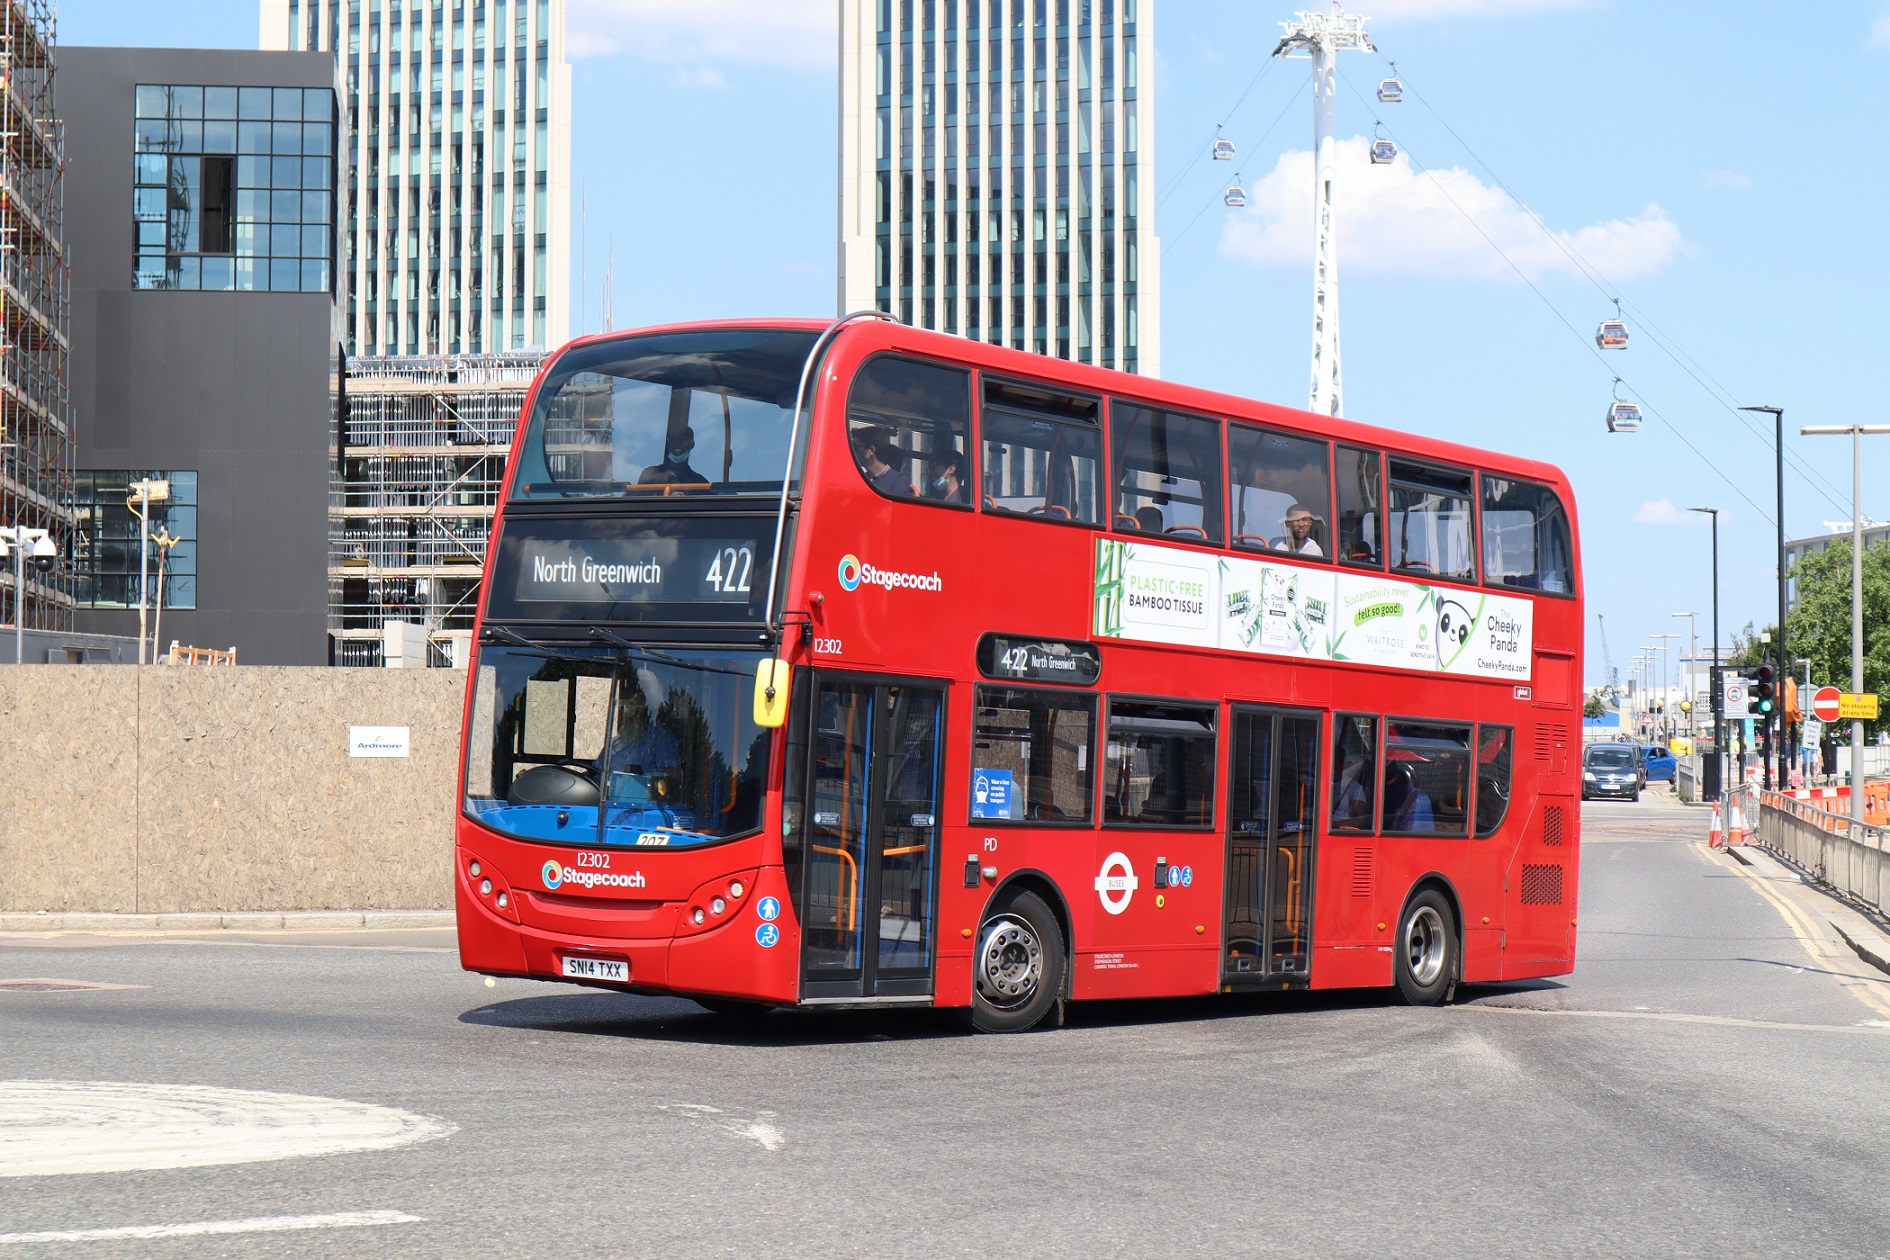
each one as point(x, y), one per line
point(1018, 971)
point(1425, 955)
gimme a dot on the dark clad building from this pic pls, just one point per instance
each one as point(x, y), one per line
point(199, 221)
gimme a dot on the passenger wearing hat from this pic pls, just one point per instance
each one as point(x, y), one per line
point(1299, 540)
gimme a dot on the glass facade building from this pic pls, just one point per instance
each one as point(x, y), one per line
point(234, 188)
point(997, 161)
point(455, 196)
point(105, 556)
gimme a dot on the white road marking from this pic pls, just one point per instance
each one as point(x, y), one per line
point(54, 1128)
point(254, 1225)
point(762, 1130)
point(1678, 1017)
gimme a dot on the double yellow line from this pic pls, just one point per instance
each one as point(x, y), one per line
point(1874, 993)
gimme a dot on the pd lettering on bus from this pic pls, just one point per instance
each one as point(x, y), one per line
point(1116, 884)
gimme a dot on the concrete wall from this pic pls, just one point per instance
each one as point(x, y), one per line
point(160, 790)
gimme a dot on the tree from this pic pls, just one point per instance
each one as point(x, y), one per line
point(1819, 626)
point(1593, 708)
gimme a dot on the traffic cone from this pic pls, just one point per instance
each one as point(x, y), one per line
point(1737, 833)
point(1716, 838)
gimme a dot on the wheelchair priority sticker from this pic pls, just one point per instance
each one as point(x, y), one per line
point(1181, 877)
point(767, 936)
point(768, 908)
point(1116, 883)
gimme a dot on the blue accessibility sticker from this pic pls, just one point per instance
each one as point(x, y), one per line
point(1174, 877)
point(1187, 877)
point(768, 908)
point(767, 935)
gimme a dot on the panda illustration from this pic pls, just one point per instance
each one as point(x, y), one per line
point(1454, 624)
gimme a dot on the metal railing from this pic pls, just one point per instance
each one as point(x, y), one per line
point(1851, 859)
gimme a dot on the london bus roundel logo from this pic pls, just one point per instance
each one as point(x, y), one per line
point(1116, 884)
point(850, 572)
point(553, 874)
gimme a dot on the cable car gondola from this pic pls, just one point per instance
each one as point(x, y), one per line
point(1612, 334)
point(1384, 151)
point(1390, 90)
point(1235, 196)
point(1623, 416)
point(1223, 147)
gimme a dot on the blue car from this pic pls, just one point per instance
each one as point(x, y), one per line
point(1659, 763)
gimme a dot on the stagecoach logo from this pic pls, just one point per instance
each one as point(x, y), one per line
point(854, 571)
point(1116, 884)
point(554, 874)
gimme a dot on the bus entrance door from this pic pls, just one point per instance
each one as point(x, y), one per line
point(869, 897)
point(1273, 785)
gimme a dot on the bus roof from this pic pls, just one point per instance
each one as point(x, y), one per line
point(1087, 378)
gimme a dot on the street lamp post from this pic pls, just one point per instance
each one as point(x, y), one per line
point(1714, 706)
point(1778, 456)
point(1665, 682)
point(1693, 663)
point(145, 491)
point(1857, 432)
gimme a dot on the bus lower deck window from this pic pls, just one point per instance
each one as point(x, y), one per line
point(1495, 747)
point(1033, 755)
point(1354, 771)
point(1427, 779)
point(1159, 765)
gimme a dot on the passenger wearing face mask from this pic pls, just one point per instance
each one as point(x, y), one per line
point(948, 480)
point(675, 469)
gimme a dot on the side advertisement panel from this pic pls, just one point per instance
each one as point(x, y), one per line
point(1158, 594)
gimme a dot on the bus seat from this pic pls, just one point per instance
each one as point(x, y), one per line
point(990, 504)
point(1126, 522)
point(1187, 531)
point(1057, 510)
point(1253, 540)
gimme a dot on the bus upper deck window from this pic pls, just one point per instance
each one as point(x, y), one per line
point(909, 426)
point(1429, 529)
point(1526, 537)
point(707, 412)
point(1358, 480)
point(1281, 491)
point(1042, 453)
point(1167, 470)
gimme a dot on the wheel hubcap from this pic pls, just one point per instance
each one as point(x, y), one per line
point(1010, 962)
point(1424, 945)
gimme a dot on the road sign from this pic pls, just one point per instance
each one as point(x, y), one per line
point(1857, 705)
point(1733, 695)
point(1825, 703)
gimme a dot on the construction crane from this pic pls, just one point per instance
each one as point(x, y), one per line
point(1611, 683)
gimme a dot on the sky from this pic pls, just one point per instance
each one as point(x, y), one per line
point(1711, 164)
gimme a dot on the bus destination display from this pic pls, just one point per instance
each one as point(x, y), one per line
point(640, 570)
point(1039, 660)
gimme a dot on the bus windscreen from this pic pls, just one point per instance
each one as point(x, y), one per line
point(601, 747)
point(697, 413)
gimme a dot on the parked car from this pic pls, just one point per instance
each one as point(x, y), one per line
point(1612, 770)
point(1659, 763)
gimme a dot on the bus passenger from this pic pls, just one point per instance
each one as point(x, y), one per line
point(873, 449)
point(1148, 519)
point(1407, 806)
point(948, 480)
point(1298, 538)
point(675, 469)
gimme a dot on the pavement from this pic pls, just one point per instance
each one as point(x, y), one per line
point(1711, 1080)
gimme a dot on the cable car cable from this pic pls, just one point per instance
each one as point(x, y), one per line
point(1577, 333)
point(1814, 479)
point(1209, 203)
point(1175, 183)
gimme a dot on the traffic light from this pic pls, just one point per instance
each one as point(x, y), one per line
point(1764, 700)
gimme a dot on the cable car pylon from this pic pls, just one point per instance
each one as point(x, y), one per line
point(1322, 35)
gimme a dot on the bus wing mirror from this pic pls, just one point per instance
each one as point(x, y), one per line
point(771, 693)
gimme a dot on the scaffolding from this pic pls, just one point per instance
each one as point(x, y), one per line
point(418, 469)
point(35, 294)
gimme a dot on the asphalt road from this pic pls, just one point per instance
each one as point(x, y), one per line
point(1705, 1084)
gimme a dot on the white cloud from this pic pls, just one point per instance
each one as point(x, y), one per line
point(1393, 220)
point(1429, 10)
point(799, 34)
point(1879, 33)
point(1666, 512)
point(1726, 179)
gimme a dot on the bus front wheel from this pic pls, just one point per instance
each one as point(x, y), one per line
point(1426, 950)
point(1019, 967)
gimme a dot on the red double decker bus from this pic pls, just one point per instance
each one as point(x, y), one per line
point(853, 664)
